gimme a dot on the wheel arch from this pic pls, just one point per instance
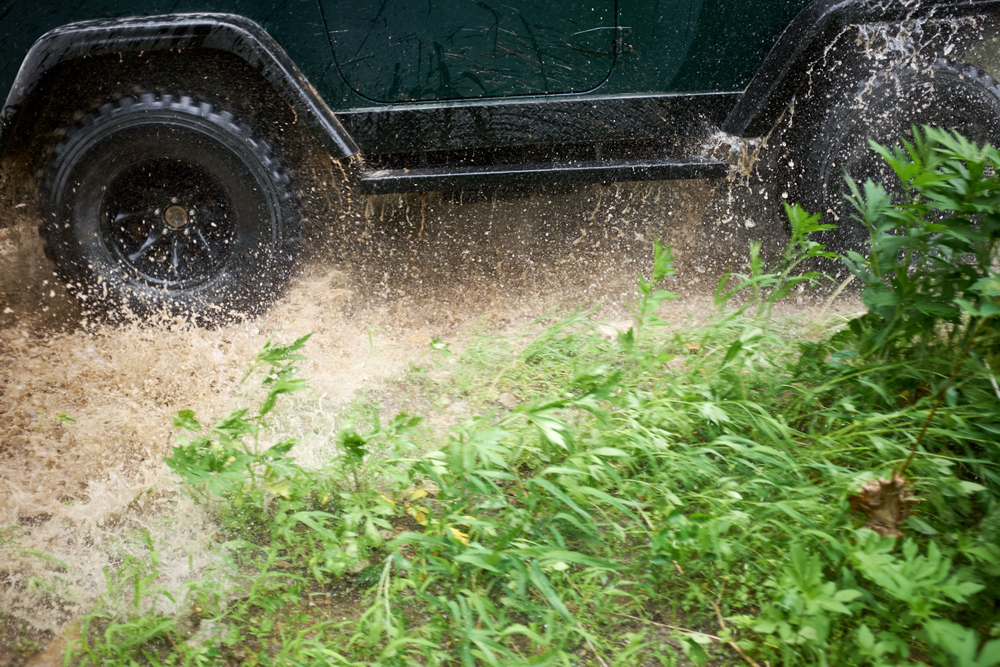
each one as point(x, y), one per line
point(234, 35)
point(783, 73)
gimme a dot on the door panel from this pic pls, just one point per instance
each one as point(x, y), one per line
point(742, 52)
point(401, 50)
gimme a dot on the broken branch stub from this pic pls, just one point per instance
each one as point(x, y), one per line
point(886, 503)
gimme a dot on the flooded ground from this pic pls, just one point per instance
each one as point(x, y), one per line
point(86, 409)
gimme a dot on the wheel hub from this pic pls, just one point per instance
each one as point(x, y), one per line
point(169, 222)
point(175, 217)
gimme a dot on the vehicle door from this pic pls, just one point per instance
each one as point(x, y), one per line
point(403, 50)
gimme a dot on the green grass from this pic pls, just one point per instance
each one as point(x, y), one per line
point(669, 496)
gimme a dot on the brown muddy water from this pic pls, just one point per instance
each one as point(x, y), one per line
point(86, 409)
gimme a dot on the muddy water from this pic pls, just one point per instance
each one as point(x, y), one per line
point(85, 409)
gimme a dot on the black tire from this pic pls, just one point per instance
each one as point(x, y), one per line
point(165, 204)
point(883, 108)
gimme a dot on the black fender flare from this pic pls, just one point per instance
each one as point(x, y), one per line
point(225, 32)
point(771, 90)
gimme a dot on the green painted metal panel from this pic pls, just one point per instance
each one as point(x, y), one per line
point(669, 46)
point(400, 51)
point(747, 31)
point(403, 51)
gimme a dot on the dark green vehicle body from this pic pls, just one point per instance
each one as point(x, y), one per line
point(363, 56)
point(441, 50)
point(395, 72)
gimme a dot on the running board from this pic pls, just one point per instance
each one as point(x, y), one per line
point(532, 175)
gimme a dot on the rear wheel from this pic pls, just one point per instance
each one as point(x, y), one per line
point(884, 108)
point(165, 204)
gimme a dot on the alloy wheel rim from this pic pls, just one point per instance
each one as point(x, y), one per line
point(168, 222)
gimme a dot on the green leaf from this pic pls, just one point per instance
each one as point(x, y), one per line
point(733, 351)
point(989, 286)
point(553, 430)
point(713, 413)
point(519, 629)
point(234, 425)
point(558, 493)
point(968, 488)
point(990, 655)
point(702, 639)
point(618, 503)
point(316, 520)
point(866, 640)
point(277, 388)
point(662, 262)
point(440, 346)
point(280, 449)
point(609, 451)
point(765, 627)
point(580, 559)
point(833, 605)
point(185, 419)
point(847, 595)
point(543, 584)
point(278, 354)
point(961, 643)
point(478, 561)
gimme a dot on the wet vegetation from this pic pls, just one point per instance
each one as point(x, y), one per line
point(741, 491)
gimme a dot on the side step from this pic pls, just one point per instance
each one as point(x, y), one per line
point(530, 175)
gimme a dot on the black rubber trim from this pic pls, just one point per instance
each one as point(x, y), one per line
point(781, 75)
point(534, 175)
point(225, 32)
point(520, 122)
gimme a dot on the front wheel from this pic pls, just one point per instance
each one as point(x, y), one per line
point(164, 204)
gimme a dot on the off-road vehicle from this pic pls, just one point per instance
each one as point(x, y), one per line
point(170, 140)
